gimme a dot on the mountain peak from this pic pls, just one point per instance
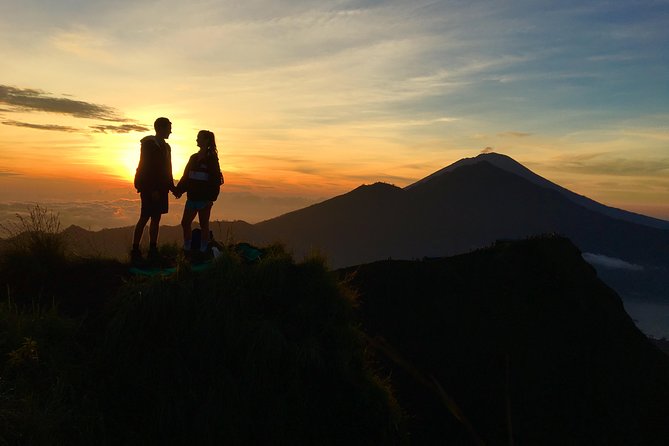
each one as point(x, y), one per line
point(510, 165)
point(498, 160)
point(378, 186)
point(493, 156)
point(74, 229)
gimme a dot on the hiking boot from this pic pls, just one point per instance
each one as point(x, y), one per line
point(153, 256)
point(136, 257)
point(188, 254)
point(201, 256)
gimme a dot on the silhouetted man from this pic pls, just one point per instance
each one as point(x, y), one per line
point(153, 181)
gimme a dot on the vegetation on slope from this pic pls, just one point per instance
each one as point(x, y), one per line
point(238, 354)
point(516, 344)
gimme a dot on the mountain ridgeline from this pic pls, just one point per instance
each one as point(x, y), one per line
point(467, 205)
point(458, 210)
point(523, 338)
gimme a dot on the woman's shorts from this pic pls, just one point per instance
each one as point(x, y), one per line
point(197, 205)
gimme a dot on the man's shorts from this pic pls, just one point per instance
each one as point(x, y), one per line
point(151, 207)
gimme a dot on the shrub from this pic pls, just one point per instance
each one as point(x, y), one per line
point(34, 252)
point(36, 233)
point(245, 354)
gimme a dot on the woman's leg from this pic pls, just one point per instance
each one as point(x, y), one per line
point(186, 220)
point(203, 217)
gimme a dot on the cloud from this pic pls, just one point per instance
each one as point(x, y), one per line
point(54, 127)
point(515, 134)
point(254, 208)
point(93, 215)
point(99, 214)
point(488, 150)
point(403, 123)
point(610, 262)
point(8, 173)
point(611, 164)
point(125, 128)
point(26, 99)
point(32, 100)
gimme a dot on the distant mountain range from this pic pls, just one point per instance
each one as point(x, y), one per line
point(465, 206)
point(462, 207)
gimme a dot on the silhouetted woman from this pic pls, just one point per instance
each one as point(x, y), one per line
point(201, 182)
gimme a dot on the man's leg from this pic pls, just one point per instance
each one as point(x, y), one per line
point(139, 230)
point(136, 254)
point(154, 227)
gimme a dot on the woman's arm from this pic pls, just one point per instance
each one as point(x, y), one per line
point(183, 182)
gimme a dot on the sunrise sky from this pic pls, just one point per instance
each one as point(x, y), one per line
point(310, 99)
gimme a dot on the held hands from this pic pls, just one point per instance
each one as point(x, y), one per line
point(176, 192)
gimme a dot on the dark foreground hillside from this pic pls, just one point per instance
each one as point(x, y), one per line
point(240, 354)
point(516, 344)
point(530, 345)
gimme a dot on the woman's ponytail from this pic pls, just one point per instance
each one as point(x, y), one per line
point(211, 146)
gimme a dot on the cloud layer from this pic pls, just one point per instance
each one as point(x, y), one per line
point(25, 99)
point(100, 214)
point(55, 127)
point(33, 100)
point(610, 262)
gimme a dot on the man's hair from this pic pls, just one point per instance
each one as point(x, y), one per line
point(161, 123)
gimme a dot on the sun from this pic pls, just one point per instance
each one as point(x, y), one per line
point(119, 153)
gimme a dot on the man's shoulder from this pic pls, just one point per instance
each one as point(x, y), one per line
point(153, 142)
point(149, 141)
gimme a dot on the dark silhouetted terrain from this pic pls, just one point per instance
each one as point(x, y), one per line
point(524, 337)
point(463, 209)
point(263, 353)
